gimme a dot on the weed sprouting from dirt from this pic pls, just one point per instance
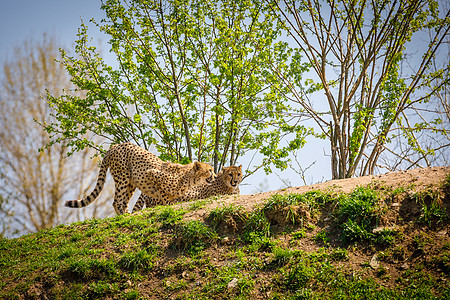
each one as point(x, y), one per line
point(295, 209)
point(228, 218)
point(193, 236)
point(359, 213)
point(432, 211)
point(252, 227)
point(137, 260)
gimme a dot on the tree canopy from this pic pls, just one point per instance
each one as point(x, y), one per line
point(193, 79)
point(376, 64)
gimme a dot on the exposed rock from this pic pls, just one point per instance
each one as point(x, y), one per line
point(441, 233)
point(379, 229)
point(233, 283)
point(374, 262)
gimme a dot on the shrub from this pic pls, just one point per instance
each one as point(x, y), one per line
point(90, 268)
point(136, 260)
point(169, 216)
point(193, 236)
point(228, 218)
point(357, 214)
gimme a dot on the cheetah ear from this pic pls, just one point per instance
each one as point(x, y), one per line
point(240, 167)
point(196, 165)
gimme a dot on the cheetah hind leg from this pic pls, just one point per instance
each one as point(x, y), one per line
point(122, 197)
point(140, 203)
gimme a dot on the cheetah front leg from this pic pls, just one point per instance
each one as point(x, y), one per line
point(147, 201)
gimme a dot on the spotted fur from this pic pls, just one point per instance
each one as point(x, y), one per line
point(134, 167)
point(226, 183)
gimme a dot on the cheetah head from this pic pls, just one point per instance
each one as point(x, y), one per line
point(204, 171)
point(232, 176)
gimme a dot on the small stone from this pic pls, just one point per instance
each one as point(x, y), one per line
point(184, 274)
point(396, 204)
point(374, 262)
point(233, 283)
point(230, 262)
point(225, 240)
point(405, 266)
point(129, 283)
point(379, 229)
point(441, 233)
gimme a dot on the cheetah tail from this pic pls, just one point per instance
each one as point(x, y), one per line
point(98, 187)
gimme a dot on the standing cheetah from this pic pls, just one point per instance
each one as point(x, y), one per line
point(134, 167)
point(226, 183)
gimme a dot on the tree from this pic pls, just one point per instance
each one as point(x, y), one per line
point(193, 80)
point(374, 68)
point(34, 184)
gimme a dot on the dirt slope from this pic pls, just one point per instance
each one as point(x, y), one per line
point(306, 251)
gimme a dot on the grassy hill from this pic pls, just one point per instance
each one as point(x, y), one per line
point(374, 237)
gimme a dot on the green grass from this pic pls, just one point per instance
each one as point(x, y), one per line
point(433, 214)
point(137, 259)
point(280, 250)
point(76, 255)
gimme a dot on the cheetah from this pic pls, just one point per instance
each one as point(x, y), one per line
point(134, 167)
point(226, 183)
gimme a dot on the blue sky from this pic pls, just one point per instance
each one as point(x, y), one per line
point(21, 20)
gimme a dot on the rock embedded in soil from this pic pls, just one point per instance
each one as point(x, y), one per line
point(374, 262)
